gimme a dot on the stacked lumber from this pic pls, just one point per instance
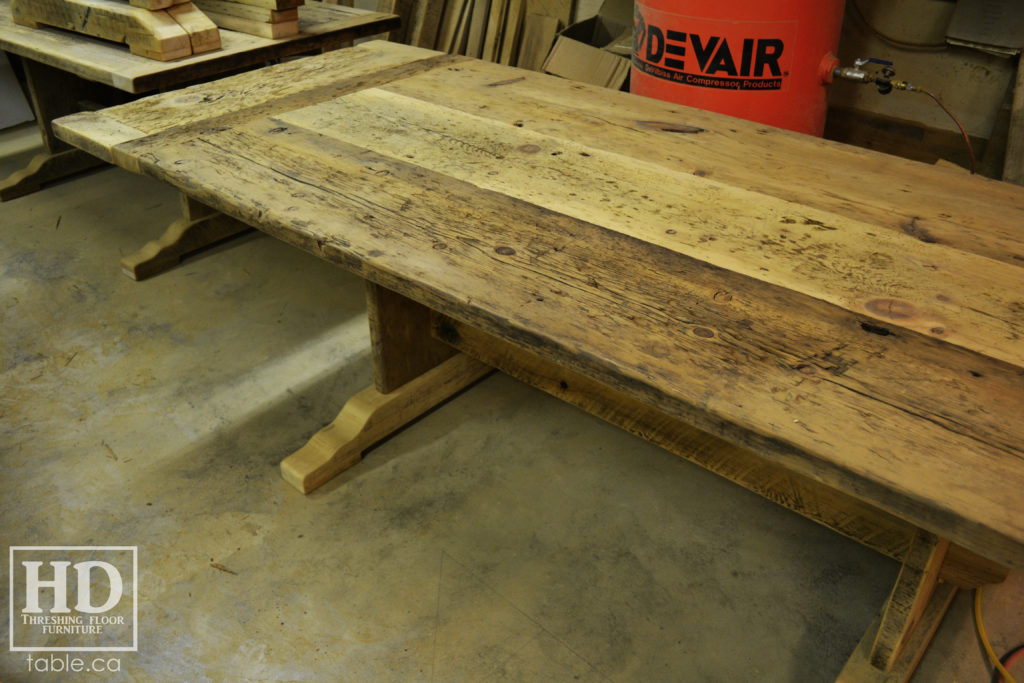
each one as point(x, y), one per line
point(158, 29)
point(266, 18)
point(514, 32)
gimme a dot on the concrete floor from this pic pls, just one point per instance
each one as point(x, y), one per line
point(505, 536)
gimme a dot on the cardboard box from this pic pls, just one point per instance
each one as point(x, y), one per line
point(596, 50)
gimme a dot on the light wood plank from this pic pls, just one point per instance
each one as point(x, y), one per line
point(538, 36)
point(449, 25)
point(458, 45)
point(495, 27)
point(477, 28)
point(257, 28)
point(272, 4)
point(561, 10)
point(512, 30)
point(202, 33)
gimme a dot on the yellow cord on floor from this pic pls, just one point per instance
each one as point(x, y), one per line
point(1007, 678)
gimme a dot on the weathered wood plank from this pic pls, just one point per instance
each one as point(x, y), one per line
point(747, 361)
point(892, 278)
point(930, 205)
point(292, 83)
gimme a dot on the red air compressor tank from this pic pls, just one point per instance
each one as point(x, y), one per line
point(763, 60)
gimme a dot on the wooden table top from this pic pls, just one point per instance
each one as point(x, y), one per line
point(320, 26)
point(856, 317)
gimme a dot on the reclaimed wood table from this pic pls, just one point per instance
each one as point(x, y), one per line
point(66, 71)
point(836, 329)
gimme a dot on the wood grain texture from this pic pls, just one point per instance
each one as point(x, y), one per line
point(495, 28)
point(202, 33)
point(562, 10)
point(322, 26)
point(512, 32)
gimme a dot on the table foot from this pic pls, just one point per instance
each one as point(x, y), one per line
point(184, 236)
point(45, 168)
point(370, 416)
point(894, 645)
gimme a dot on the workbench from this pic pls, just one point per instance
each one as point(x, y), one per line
point(836, 329)
point(68, 71)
